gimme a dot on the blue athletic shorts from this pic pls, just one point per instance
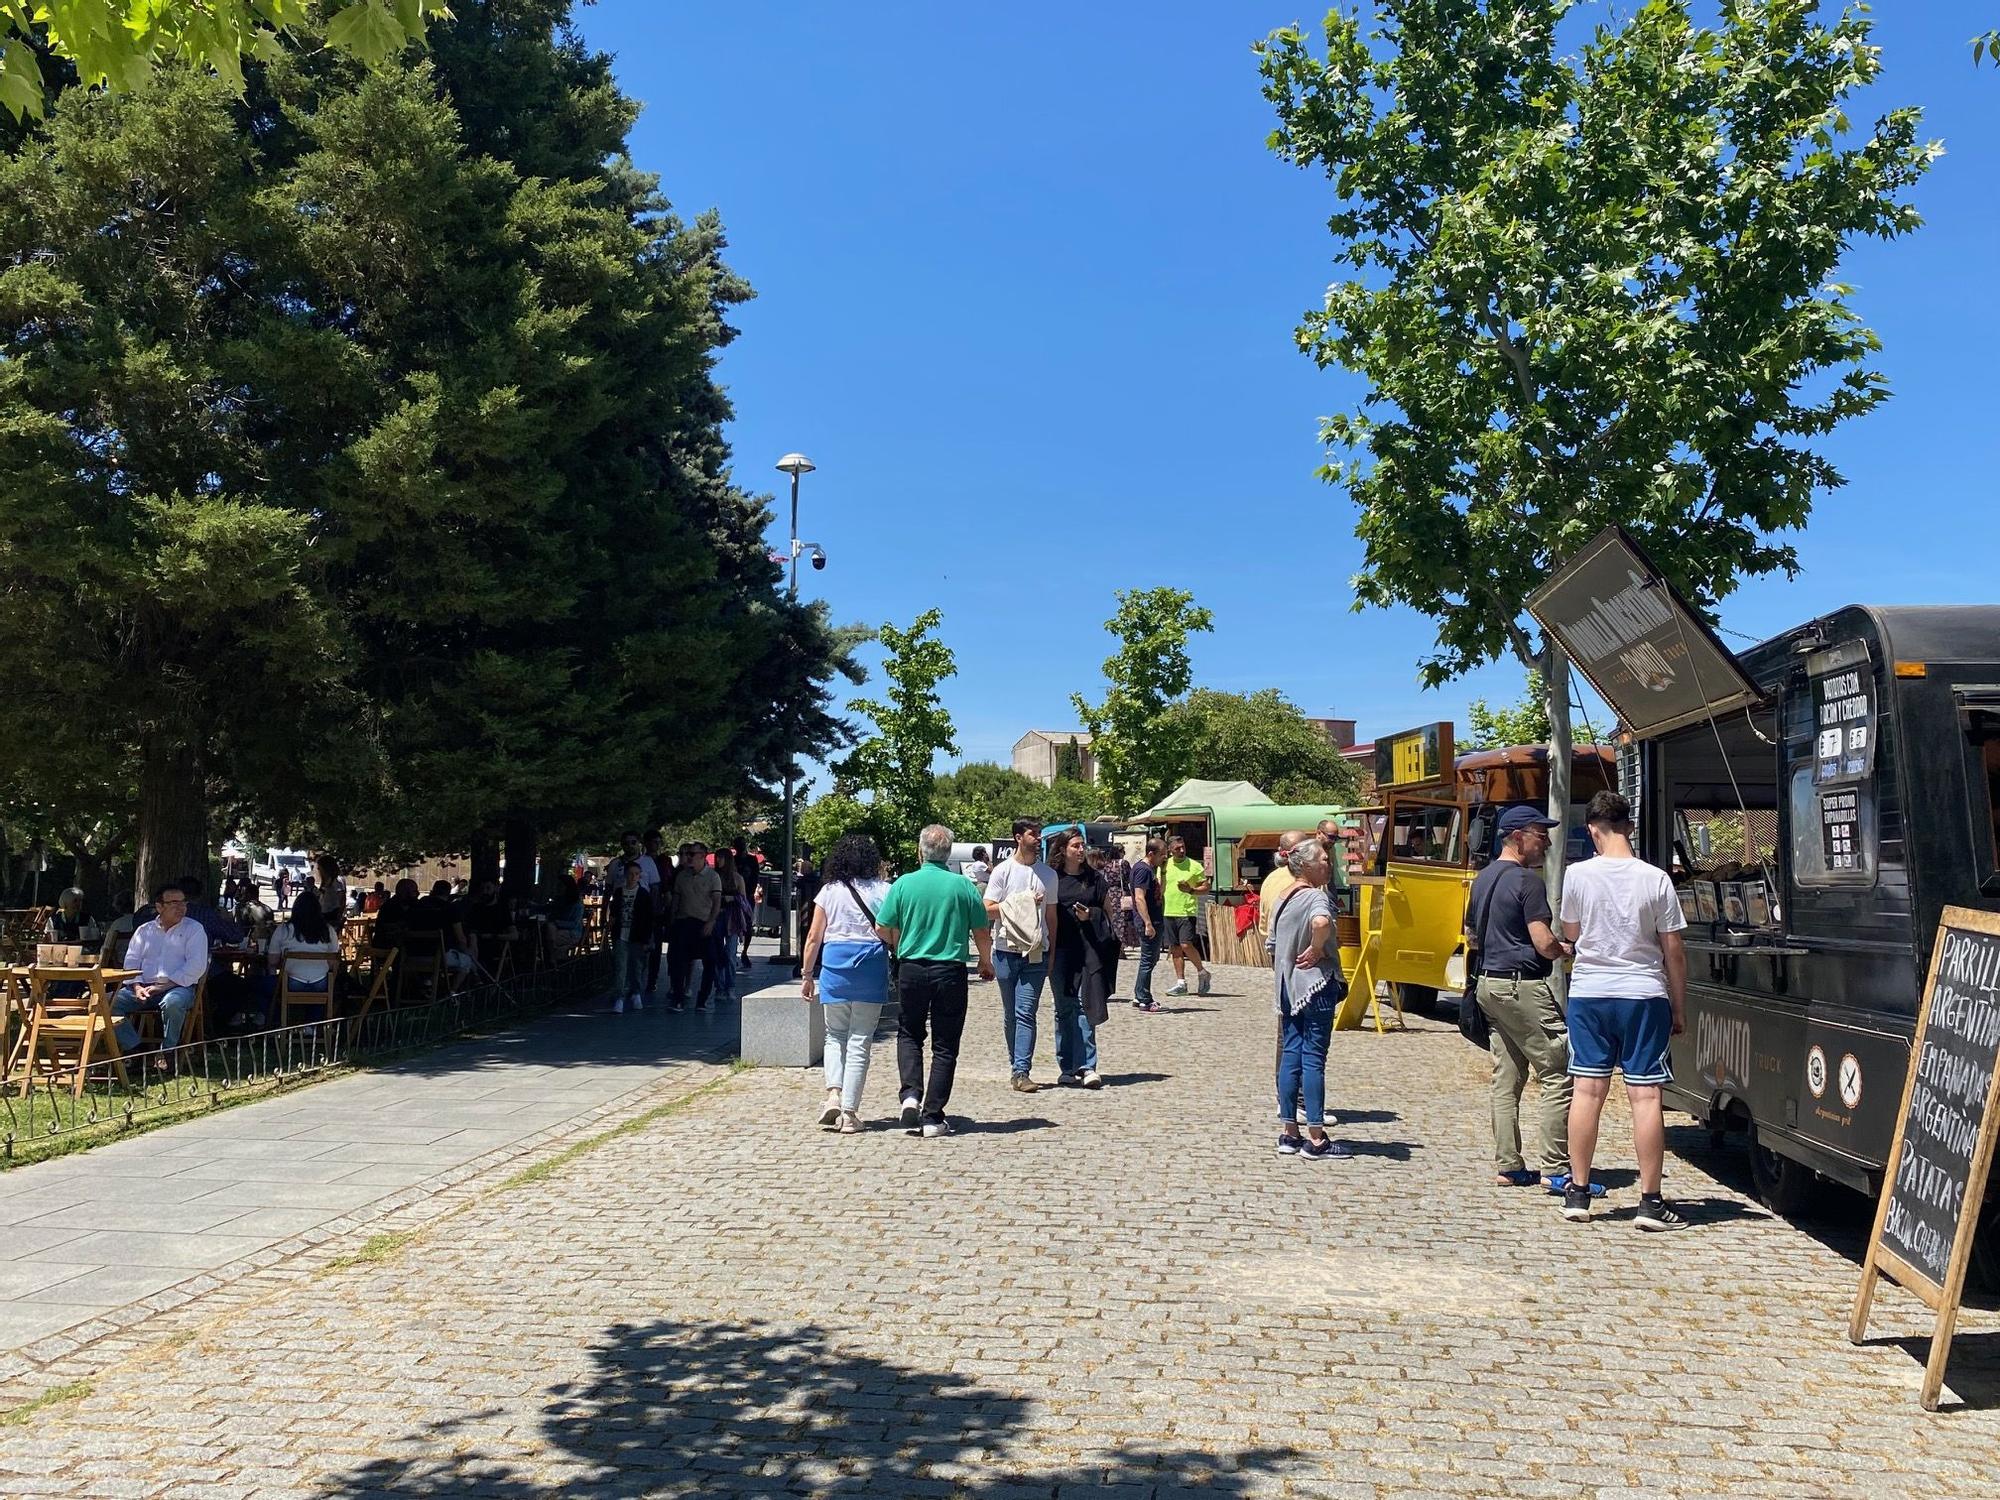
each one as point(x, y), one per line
point(1629, 1035)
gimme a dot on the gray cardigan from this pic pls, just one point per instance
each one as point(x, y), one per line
point(1294, 989)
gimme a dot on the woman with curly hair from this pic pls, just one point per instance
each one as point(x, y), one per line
point(847, 972)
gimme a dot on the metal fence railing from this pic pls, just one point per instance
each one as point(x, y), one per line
point(45, 1106)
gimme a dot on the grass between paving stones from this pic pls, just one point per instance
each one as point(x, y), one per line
point(381, 1247)
point(55, 1395)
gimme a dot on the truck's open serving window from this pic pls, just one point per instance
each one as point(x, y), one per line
point(1425, 831)
point(1721, 781)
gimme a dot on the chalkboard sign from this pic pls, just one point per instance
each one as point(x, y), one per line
point(1840, 830)
point(1936, 1178)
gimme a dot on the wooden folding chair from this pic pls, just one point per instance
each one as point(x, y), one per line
point(496, 954)
point(289, 997)
point(378, 991)
point(59, 1025)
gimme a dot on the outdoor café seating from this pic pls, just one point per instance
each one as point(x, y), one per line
point(65, 1031)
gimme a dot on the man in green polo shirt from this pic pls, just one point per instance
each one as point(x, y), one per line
point(1181, 883)
point(926, 919)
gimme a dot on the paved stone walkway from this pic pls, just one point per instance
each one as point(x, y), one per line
point(1122, 1294)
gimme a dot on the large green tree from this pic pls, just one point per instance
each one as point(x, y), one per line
point(1524, 722)
point(1264, 739)
point(117, 43)
point(911, 729)
point(1586, 287)
point(1142, 751)
point(361, 460)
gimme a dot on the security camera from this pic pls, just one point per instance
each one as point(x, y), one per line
point(818, 558)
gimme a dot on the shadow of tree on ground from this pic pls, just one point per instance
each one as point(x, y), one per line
point(713, 1409)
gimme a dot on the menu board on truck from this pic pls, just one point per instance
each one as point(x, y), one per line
point(1935, 1182)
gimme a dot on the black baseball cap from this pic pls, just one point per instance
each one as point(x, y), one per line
point(1521, 816)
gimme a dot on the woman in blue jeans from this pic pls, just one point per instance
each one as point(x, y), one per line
point(847, 972)
point(1305, 968)
point(1082, 929)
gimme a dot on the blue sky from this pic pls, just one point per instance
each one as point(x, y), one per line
point(1027, 278)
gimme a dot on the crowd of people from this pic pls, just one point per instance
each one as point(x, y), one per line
point(696, 908)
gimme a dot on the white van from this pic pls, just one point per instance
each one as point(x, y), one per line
point(293, 862)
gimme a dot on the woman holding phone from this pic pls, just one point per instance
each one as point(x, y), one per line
point(1076, 967)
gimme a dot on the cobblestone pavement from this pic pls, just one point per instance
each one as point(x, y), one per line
point(1121, 1294)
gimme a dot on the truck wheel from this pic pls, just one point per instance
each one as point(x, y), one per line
point(1783, 1185)
point(1418, 999)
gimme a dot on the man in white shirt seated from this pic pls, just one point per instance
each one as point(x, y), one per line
point(171, 955)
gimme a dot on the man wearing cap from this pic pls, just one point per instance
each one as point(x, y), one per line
point(1512, 946)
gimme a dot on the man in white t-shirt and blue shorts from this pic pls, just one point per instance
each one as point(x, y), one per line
point(1627, 997)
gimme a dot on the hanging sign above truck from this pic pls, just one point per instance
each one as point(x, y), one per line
point(1650, 656)
point(1415, 757)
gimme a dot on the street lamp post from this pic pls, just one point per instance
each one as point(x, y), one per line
point(793, 464)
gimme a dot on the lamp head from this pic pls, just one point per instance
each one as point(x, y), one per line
point(795, 464)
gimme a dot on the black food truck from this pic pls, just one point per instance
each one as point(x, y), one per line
point(1818, 799)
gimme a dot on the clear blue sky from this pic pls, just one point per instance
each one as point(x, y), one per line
point(1027, 278)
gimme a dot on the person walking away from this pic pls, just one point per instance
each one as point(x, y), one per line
point(171, 954)
point(1149, 922)
point(1182, 881)
point(1077, 950)
point(750, 867)
point(662, 865)
point(302, 948)
point(634, 917)
point(695, 903)
point(729, 925)
point(1627, 996)
point(978, 869)
point(1512, 947)
point(928, 917)
point(847, 972)
point(1020, 945)
point(1307, 986)
point(805, 889)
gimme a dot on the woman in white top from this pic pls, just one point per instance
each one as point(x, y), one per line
point(303, 948)
point(847, 972)
point(332, 890)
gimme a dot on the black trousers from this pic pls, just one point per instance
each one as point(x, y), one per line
point(932, 995)
point(688, 947)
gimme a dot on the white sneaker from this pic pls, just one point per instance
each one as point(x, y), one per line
point(1178, 987)
point(1090, 1079)
point(638, 1002)
point(1201, 983)
point(935, 1128)
point(829, 1115)
point(618, 1006)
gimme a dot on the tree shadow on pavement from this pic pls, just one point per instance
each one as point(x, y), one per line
point(675, 1409)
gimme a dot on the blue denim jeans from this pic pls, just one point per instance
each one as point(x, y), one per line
point(1149, 958)
point(174, 1007)
point(1020, 999)
point(850, 1030)
point(1076, 1038)
point(1302, 1044)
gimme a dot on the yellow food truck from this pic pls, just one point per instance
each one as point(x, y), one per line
point(1437, 828)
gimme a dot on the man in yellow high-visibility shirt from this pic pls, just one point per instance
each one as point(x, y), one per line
point(1182, 882)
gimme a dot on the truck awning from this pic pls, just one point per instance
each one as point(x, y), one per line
point(1635, 640)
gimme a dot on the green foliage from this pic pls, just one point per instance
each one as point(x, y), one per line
point(823, 822)
point(1069, 762)
point(1586, 289)
point(1067, 801)
point(1141, 749)
point(1987, 45)
point(1264, 739)
point(980, 800)
point(118, 43)
point(361, 461)
point(1526, 723)
point(912, 728)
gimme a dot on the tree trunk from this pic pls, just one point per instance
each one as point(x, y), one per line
point(173, 813)
point(92, 878)
point(485, 858)
point(555, 855)
point(520, 841)
point(1562, 761)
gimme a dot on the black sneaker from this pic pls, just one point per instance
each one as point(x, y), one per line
point(912, 1111)
point(1654, 1215)
point(1576, 1202)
